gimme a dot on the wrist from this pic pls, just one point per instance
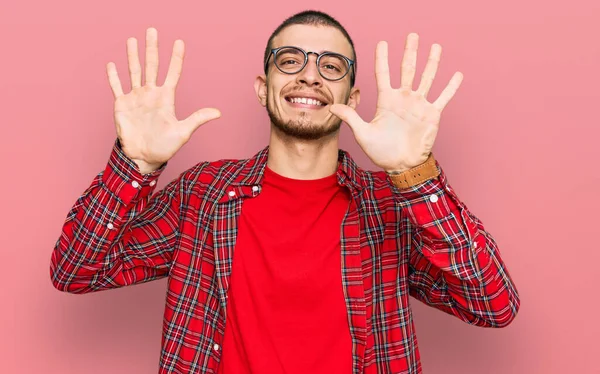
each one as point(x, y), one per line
point(146, 168)
point(415, 175)
point(399, 169)
point(396, 171)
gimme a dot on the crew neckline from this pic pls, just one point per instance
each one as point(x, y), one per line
point(327, 181)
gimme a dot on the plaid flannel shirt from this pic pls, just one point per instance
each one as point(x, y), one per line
point(421, 242)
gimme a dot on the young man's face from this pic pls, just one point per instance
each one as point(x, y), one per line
point(279, 91)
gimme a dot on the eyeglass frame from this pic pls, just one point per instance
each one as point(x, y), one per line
point(351, 63)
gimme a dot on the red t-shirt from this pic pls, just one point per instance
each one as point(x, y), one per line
point(286, 311)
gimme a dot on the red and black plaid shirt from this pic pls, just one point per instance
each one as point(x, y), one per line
point(421, 242)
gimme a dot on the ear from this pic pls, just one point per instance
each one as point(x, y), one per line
point(354, 97)
point(260, 87)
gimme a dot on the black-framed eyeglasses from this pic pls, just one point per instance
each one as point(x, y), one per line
point(330, 65)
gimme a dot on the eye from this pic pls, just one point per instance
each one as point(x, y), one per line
point(333, 64)
point(331, 67)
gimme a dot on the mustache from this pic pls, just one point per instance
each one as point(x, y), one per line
point(316, 92)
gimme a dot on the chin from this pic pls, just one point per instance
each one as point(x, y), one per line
point(303, 128)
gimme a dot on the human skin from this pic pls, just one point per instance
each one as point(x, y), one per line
point(400, 136)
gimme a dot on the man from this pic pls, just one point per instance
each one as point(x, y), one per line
point(326, 254)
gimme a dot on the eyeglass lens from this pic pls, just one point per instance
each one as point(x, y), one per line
point(331, 66)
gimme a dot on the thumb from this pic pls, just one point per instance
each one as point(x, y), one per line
point(347, 114)
point(200, 117)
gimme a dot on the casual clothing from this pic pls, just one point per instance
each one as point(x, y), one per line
point(421, 242)
point(286, 283)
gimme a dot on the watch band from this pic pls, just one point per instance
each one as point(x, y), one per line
point(418, 174)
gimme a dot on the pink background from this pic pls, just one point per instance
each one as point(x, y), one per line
point(519, 143)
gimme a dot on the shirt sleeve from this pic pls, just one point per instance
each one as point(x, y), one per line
point(455, 264)
point(116, 234)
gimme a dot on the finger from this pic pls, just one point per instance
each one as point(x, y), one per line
point(449, 91)
point(409, 61)
point(113, 79)
point(347, 114)
point(151, 56)
point(198, 118)
point(382, 68)
point(133, 58)
point(176, 64)
point(430, 70)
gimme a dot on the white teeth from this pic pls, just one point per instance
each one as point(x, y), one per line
point(304, 100)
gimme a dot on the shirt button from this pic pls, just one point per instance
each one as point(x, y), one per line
point(135, 184)
point(231, 193)
point(474, 244)
point(110, 226)
point(152, 183)
point(254, 188)
point(433, 198)
point(216, 347)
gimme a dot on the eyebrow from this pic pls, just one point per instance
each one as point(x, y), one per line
point(295, 51)
point(319, 52)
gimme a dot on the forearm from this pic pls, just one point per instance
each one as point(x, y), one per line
point(456, 261)
point(96, 236)
point(473, 276)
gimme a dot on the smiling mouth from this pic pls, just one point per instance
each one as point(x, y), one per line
point(305, 102)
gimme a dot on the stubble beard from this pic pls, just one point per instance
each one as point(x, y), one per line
point(302, 127)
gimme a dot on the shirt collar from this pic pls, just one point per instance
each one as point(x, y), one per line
point(252, 170)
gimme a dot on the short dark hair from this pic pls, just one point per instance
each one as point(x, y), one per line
point(313, 18)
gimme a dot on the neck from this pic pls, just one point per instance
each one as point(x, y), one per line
point(303, 159)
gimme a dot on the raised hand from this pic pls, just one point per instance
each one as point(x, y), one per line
point(145, 121)
point(405, 126)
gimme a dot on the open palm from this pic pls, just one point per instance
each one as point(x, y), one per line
point(145, 121)
point(403, 131)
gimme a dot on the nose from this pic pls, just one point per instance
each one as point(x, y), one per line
point(310, 74)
